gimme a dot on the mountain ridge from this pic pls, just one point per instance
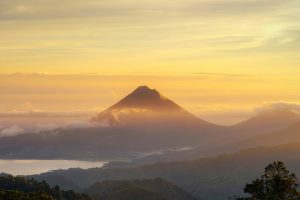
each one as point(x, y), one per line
point(264, 122)
point(199, 175)
point(150, 189)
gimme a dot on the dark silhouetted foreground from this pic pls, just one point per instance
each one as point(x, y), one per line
point(276, 184)
point(21, 188)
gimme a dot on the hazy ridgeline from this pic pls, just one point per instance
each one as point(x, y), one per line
point(223, 123)
point(146, 135)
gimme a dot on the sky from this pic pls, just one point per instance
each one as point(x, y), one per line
point(220, 59)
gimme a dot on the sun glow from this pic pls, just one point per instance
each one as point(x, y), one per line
point(209, 56)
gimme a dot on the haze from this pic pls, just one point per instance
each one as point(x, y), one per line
point(199, 53)
point(186, 99)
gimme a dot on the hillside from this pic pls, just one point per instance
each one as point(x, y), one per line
point(154, 189)
point(16, 195)
point(288, 135)
point(266, 121)
point(207, 178)
point(15, 188)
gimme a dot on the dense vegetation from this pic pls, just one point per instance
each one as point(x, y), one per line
point(277, 183)
point(21, 188)
point(18, 195)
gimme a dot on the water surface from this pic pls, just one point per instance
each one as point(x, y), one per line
point(30, 167)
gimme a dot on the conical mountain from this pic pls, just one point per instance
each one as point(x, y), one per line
point(141, 123)
point(145, 98)
point(147, 106)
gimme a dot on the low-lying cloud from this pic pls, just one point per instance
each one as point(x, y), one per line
point(80, 125)
point(12, 131)
point(295, 107)
point(15, 130)
point(33, 114)
point(64, 9)
point(46, 127)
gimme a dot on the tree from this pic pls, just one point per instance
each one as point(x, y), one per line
point(277, 183)
point(22, 188)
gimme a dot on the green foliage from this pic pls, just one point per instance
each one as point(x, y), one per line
point(277, 183)
point(21, 188)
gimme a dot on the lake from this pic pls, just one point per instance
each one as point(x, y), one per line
point(30, 167)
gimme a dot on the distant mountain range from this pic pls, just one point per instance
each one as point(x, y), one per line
point(147, 124)
point(158, 138)
point(266, 121)
point(291, 134)
point(141, 123)
point(239, 137)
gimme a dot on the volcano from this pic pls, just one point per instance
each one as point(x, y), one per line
point(141, 124)
point(147, 106)
point(148, 99)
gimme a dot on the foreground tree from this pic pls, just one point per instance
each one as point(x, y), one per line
point(277, 183)
point(22, 188)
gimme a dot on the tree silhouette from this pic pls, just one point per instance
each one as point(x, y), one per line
point(277, 183)
point(22, 188)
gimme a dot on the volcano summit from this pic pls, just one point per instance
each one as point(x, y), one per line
point(147, 106)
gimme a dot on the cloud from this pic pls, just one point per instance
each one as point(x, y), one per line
point(139, 32)
point(236, 7)
point(63, 9)
point(46, 128)
point(85, 124)
point(117, 9)
point(79, 125)
point(43, 114)
point(12, 131)
point(295, 107)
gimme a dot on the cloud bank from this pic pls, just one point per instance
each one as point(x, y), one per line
point(295, 107)
point(12, 131)
point(118, 9)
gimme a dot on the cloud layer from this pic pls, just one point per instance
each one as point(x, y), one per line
point(148, 36)
point(295, 107)
point(251, 47)
point(47, 9)
point(12, 131)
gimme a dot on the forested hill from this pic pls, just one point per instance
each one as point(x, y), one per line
point(15, 188)
point(149, 189)
point(22, 188)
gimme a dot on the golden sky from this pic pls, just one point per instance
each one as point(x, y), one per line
point(220, 98)
point(211, 56)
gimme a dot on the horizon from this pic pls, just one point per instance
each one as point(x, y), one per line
point(34, 93)
point(218, 59)
point(143, 99)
